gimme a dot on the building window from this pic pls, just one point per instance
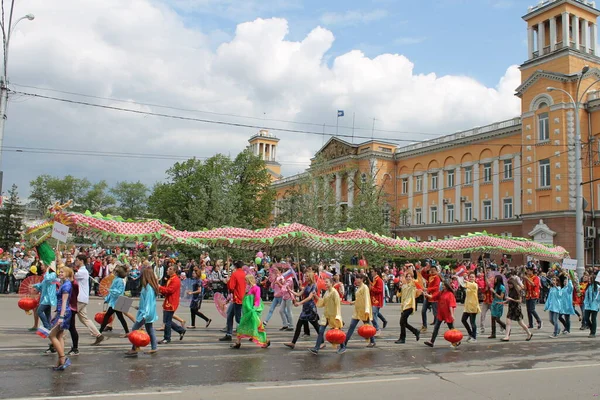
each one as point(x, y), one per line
point(434, 181)
point(404, 185)
point(487, 209)
point(434, 216)
point(508, 169)
point(419, 183)
point(468, 212)
point(468, 175)
point(545, 173)
point(487, 172)
point(450, 213)
point(418, 216)
point(508, 208)
point(543, 127)
point(450, 179)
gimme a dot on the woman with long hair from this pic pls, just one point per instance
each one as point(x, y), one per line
point(514, 308)
point(497, 309)
point(117, 288)
point(196, 302)
point(146, 314)
point(62, 319)
point(591, 305)
point(309, 312)
point(469, 317)
point(552, 305)
point(445, 311)
point(251, 326)
point(566, 302)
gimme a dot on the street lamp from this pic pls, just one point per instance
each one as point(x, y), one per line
point(6, 35)
point(579, 236)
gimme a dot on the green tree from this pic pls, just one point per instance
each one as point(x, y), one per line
point(97, 199)
point(46, 189)
point(132, 199)
point(11, 218)
point(371, 210)
point(41, 195)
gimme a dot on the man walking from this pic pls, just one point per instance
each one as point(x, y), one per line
point(82, 277)
point(236, 286)
point(171, 291)
point(362, 311)
point(532, 294)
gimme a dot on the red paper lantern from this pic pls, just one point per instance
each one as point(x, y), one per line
point(335, 336)
point(99, 318)
point(367, 331)
point(28, 303)
point(453, 336)
point(139, 338)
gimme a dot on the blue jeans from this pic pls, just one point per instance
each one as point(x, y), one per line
point(233, 310)
point(426, 304)
point(276, 302)
point(44, 311)
point(531, 313)
point(554, 322)
point(168, 321)
point(149, 331)
point(321, 337)
point(286, 313)
point(376, 317)
point(353, 324)
point(565, 319)
point(3, 283)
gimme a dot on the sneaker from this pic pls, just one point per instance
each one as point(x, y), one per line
point(131, 353)
point(226, 338)
point(384, 324)
point(290, 345)
point(423, 329)
point(418, 336)
point(341, 350)
point(566, 333)
point(283, 328)
point(370, 345)
point(99, 339)
point(182, 334)
point(591, 336)
point(540, 324)
point(50, 350)
point(265, 324)
point(400, 341)
point(164, 341)
point(289, 328)
point(469, 339)
point(428, 343)
point(553, 336)
point(472, 340)
point(481, 329)
point(313, 351)
point(378, 333)
point(208, 323)
point(73, 352)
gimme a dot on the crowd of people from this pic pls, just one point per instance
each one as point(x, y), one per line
point(318, 290)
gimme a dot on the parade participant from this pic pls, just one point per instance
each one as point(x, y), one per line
point(47, 290)
point(497, 309)
point(591, 305)
point(82, 278)
point(471, 308)
point(172, 292)
point(250, 325)
point(445, 311)
point(552, 305)
point(408, 304)
point(73, 308)
point(487, 300)
point(566, 302)
point(278, 285)
point(196, 302)
point(376, 290)
point(578, 297)
point(285, 310)
point(513, 299)
point(237, 286)
point(332, 313)
point(362, 311)
point(430, 294)
point(532, 294)
point(117, 288)
point(146, 314)
point(337, 285)
point(309, 309)
point(62, 319)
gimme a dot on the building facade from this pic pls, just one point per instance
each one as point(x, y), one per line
point(512, 178)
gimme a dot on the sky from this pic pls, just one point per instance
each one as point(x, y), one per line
point(412, 69)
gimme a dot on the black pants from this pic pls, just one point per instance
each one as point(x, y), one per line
point(73, 331)
point(196, 311)
point(471, 318)
point(494, 321)
point(107, 316)
point(299, 324)
point(404, 324)
point(589, 317)
point(436, 329)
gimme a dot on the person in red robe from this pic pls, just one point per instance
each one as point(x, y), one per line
point(445, 311)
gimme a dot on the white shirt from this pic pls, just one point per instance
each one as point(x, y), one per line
point(82, 277)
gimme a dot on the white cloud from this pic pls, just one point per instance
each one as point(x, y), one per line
point(143, 51)
point(353, 17)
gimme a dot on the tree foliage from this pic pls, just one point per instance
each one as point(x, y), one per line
point(11, 218)
point(132, 199)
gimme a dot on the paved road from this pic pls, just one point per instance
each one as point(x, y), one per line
point(200, 367)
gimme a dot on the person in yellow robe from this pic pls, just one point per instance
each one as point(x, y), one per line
point(471, 308)
point(407, 305)
point(362, 311)
point(332, 313)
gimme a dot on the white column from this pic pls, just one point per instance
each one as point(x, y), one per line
point(585, 29)
point(338, 188)
point(441, 185)
point(517, 184)
point(593, 35)
point(350, 178)
point(457, 203)
point(541, 38)
point(530, 42)
point(410, 197)
point(425, 205)
point(552, 33)
point(495, 189)
point(273, 150)
point(576, 31)
point(476, 200)
point(565, 26)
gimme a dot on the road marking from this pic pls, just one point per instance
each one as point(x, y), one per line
point(98, 395)
point(507, 371)
point(331, 383)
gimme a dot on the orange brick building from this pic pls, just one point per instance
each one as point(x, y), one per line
point(514, 177)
